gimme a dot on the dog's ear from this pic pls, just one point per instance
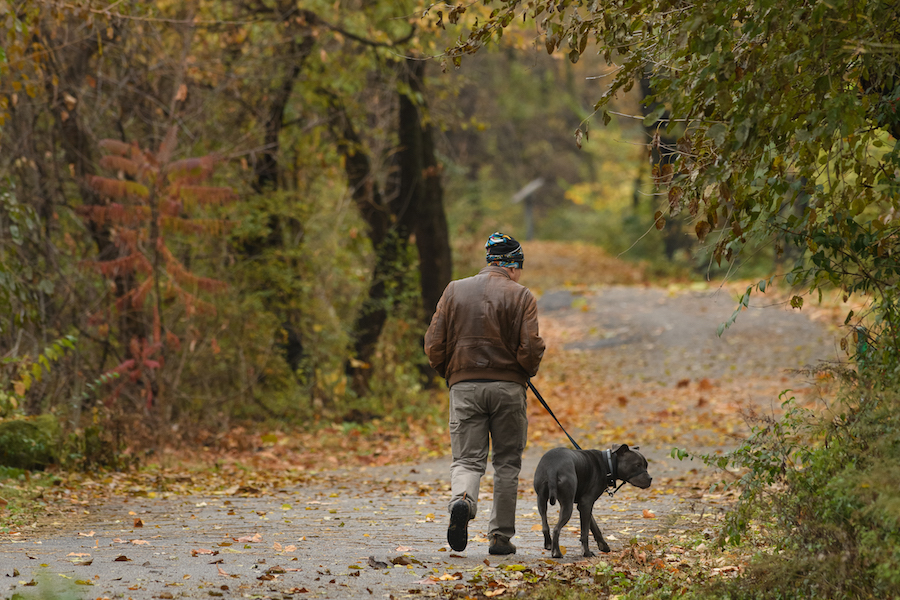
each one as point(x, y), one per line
point(616, 448)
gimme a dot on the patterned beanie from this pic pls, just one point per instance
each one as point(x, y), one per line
point(504, 251)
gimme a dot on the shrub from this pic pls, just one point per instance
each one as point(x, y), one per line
point(29, 443)
point(826, 490)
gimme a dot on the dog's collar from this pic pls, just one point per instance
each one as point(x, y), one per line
point(612, 462)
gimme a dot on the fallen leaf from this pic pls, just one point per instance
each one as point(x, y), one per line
point(138, 522)
point(648, 514)
point(222, 572)
point(121, 558)
point(140, 542)
point(726, 569)
point(401, 560)
point(88, 534)
point(537, 527)
point(253, 539)
point(201, 551)
point(377, 564)
point(290, 548)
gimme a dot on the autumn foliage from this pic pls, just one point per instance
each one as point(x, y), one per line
point(152, 197)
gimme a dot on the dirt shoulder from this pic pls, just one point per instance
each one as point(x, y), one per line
point(624, 364)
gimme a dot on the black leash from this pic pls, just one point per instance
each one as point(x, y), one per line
point(538, 394)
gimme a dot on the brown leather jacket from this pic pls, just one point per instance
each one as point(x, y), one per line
point(485, 327)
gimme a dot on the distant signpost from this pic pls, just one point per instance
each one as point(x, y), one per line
point(527, 194)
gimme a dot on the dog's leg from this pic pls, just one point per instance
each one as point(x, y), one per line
point(587, 522)
point(565, 513)
point(598, 537)
point(545, 525)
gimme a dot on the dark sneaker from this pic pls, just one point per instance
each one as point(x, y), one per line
point(500, 544)
point(458, 531)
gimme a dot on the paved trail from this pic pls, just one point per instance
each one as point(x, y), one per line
point(381, 532)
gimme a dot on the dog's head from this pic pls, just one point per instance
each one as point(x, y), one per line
point(632, 466)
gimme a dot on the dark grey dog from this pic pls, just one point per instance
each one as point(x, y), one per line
point(581, 476)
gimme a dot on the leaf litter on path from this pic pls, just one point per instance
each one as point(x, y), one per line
point(286, 493)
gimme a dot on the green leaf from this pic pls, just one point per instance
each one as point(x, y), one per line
point(654, 116)
point(717, 133)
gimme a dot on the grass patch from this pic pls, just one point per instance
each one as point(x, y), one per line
point(22, 497)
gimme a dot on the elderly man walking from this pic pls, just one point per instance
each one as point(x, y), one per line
point(484, 340)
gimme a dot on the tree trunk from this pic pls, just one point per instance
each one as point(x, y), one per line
point(414, 205)
point(674, 235)
point(432, 232)
point(269, 177)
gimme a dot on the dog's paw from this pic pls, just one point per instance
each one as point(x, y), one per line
point(556, 554)
point(604, 548)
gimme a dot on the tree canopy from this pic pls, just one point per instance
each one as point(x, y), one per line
point(786, 117)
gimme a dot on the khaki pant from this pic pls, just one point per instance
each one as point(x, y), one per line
point(481, 414)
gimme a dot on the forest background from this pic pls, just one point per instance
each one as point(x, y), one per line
point(221, 211)
point(224, 218)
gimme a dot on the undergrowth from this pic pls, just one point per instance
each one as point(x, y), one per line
point(820, 499)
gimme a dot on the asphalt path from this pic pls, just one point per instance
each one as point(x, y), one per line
point(380, 532)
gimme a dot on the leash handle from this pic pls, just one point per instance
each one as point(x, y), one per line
point(541, 399)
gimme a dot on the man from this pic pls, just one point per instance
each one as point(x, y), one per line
point(483, 339)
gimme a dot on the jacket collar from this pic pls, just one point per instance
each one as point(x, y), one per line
point(494, 269)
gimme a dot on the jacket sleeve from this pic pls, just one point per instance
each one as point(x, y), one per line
point(531, 346)
point(436, 339)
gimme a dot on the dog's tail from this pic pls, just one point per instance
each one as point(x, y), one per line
point(551, 488)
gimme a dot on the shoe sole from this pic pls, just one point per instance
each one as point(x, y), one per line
point(458, 531)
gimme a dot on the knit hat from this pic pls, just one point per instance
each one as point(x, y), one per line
point(504, 251)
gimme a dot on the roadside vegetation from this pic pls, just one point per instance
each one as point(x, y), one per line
point(224, 227)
